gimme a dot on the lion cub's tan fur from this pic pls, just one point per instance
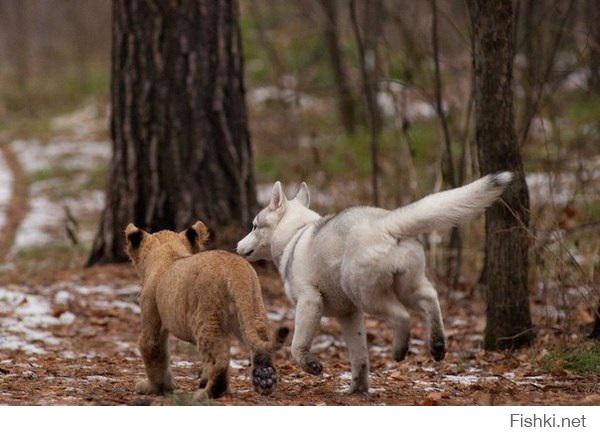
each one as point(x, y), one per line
point(200, 297)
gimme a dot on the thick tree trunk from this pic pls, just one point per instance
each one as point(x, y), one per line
point(595, 334)
point(507, 295)
point(345, 99)
point(181, 148)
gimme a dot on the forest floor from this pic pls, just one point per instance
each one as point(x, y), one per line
point(74, 342)
point(68, 334)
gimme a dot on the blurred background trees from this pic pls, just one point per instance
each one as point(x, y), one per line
point(378, 101)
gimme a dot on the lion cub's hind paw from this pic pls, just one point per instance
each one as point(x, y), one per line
point(144, 387)
point(264, 379)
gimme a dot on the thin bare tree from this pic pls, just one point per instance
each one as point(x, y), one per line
point(345, 99)
point(449, 174)
point(367, 54)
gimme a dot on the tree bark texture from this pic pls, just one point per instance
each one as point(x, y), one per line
point(506, 262)
point(345, 99)
point(181, 148)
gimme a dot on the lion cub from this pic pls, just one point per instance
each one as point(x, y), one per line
point(200, 297)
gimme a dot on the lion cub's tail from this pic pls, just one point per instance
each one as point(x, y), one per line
point(252, 316)
point(255, 330)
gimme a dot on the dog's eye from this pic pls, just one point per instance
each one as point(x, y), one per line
point(253, 227)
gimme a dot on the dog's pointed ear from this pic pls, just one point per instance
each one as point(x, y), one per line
point(303, 195)
point(134, 236)
point(278, 198)
point(197, 235)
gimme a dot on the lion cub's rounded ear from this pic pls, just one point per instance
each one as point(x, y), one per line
point(197, 235)
point(134, 235)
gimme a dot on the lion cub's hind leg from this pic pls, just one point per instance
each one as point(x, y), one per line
point(214, 351)
point(153, 343)
point(155, 352)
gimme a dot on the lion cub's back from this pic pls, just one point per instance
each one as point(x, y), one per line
point(215, 270)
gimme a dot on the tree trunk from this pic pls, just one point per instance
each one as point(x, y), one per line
point(345, 100)
point(596, 330)
point(593, 15)
point(368, 58)
point(181, 148)
point(506, 262)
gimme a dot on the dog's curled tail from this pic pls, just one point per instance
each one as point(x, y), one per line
point(446, 209)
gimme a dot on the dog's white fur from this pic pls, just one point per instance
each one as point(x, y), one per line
point(362, 260)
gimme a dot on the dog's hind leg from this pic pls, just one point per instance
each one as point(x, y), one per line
point(355, 336)
point(397, 315)
point(399, 318)
point(308, 316)
point(427, 300)
point(154, 349)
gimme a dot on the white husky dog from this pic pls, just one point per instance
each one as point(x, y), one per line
point(361, 260)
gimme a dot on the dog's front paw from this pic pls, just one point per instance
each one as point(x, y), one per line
point(313, 366)
point(400, 354)
point(264, 379)
point(358, 388)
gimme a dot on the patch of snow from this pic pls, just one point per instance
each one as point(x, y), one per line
point(375, 390)
point(276, 314)
point(96, 378)
point(124, 346)
point(183, 364)
point(377, 349)
point(35, 229)
point(323, 342)
point(68, 355)
point(428, 386)
point(87, 290)
point(239, 363)
point(82, 122)
point(131, 290)
point(62, 297)
point(560, 188)
point(458, 322)
point(36, 156)
point(266, 94)
point(122, 305)
point(23, 317)
point(462, 379)
point(12, 342)
point(576, 80)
